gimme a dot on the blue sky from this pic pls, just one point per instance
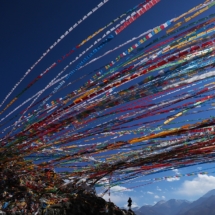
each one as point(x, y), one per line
point(28, 28)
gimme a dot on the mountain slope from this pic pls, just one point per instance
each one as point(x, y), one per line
point(147, 210)
point(202, 206)
point(171, 207)
point(210, 193)
point(196, 203)
point(205, 208)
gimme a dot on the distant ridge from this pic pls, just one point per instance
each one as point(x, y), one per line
point(205, 205)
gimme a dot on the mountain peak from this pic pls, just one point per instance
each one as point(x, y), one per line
point(160, 202)
point(176, 201)
point(181, 207)
point(209, 193)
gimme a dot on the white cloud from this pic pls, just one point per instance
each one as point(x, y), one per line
point(120, 199)
point(151, 193)
point(120, 188)
point(134, 205)
point(116, 199)
point(156, 197)
point(176, 171)
point(172, 188)
point(198, 186)
point(172, 179)
point(159, 189)
point(163, 197)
